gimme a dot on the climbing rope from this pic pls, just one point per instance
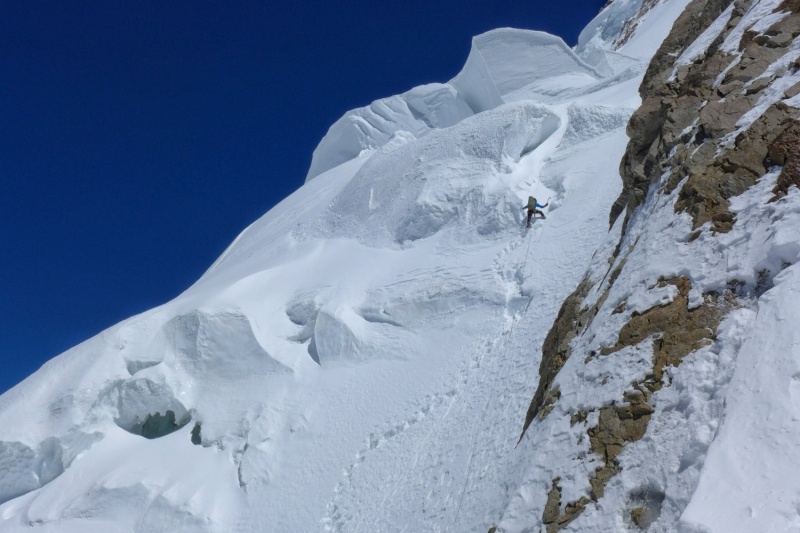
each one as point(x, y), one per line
point(488, 400)
point(525, 262)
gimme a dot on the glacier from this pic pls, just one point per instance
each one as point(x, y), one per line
point(362, 357)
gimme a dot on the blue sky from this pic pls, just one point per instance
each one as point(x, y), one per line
point(137, 139)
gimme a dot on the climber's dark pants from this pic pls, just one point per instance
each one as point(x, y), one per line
point(532, 212)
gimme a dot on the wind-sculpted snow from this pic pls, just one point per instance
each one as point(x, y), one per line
point(755, 449)
point(412, 190)
point(218, 346)
point(502, 63)
point(586, 123)
point(416, 112)
point(134, 400)
point(24, 468)
point(608, 25)
point(627, 33)
point(19, 472)
point(361, 357)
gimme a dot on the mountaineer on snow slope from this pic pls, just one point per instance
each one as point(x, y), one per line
point(532, 208)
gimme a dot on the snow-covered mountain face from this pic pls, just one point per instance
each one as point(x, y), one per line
point(667, 396)
point(362, 358)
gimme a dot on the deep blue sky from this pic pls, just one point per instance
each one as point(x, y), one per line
point(137, 139)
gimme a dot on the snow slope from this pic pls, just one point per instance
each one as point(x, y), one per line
point(360, 358)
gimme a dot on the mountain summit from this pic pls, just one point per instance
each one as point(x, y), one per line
point(390, 349)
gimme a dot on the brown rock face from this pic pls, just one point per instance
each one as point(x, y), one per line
point(712, 180)
point(642, 162)
point(553, 518)
point(785, 151)
point(693, 135)
point(790, 5)
point(556, 350)
point(677, 331)
point(616, 427)
point(714, 166)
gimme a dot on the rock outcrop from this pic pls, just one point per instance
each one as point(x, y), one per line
point(689, 120)
point(718, 113)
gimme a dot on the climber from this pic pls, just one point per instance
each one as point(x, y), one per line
point(531, 207)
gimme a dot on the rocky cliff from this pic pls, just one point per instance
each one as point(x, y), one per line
point(697, 231)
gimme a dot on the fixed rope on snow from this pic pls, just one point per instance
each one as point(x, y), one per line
point(488, 401)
